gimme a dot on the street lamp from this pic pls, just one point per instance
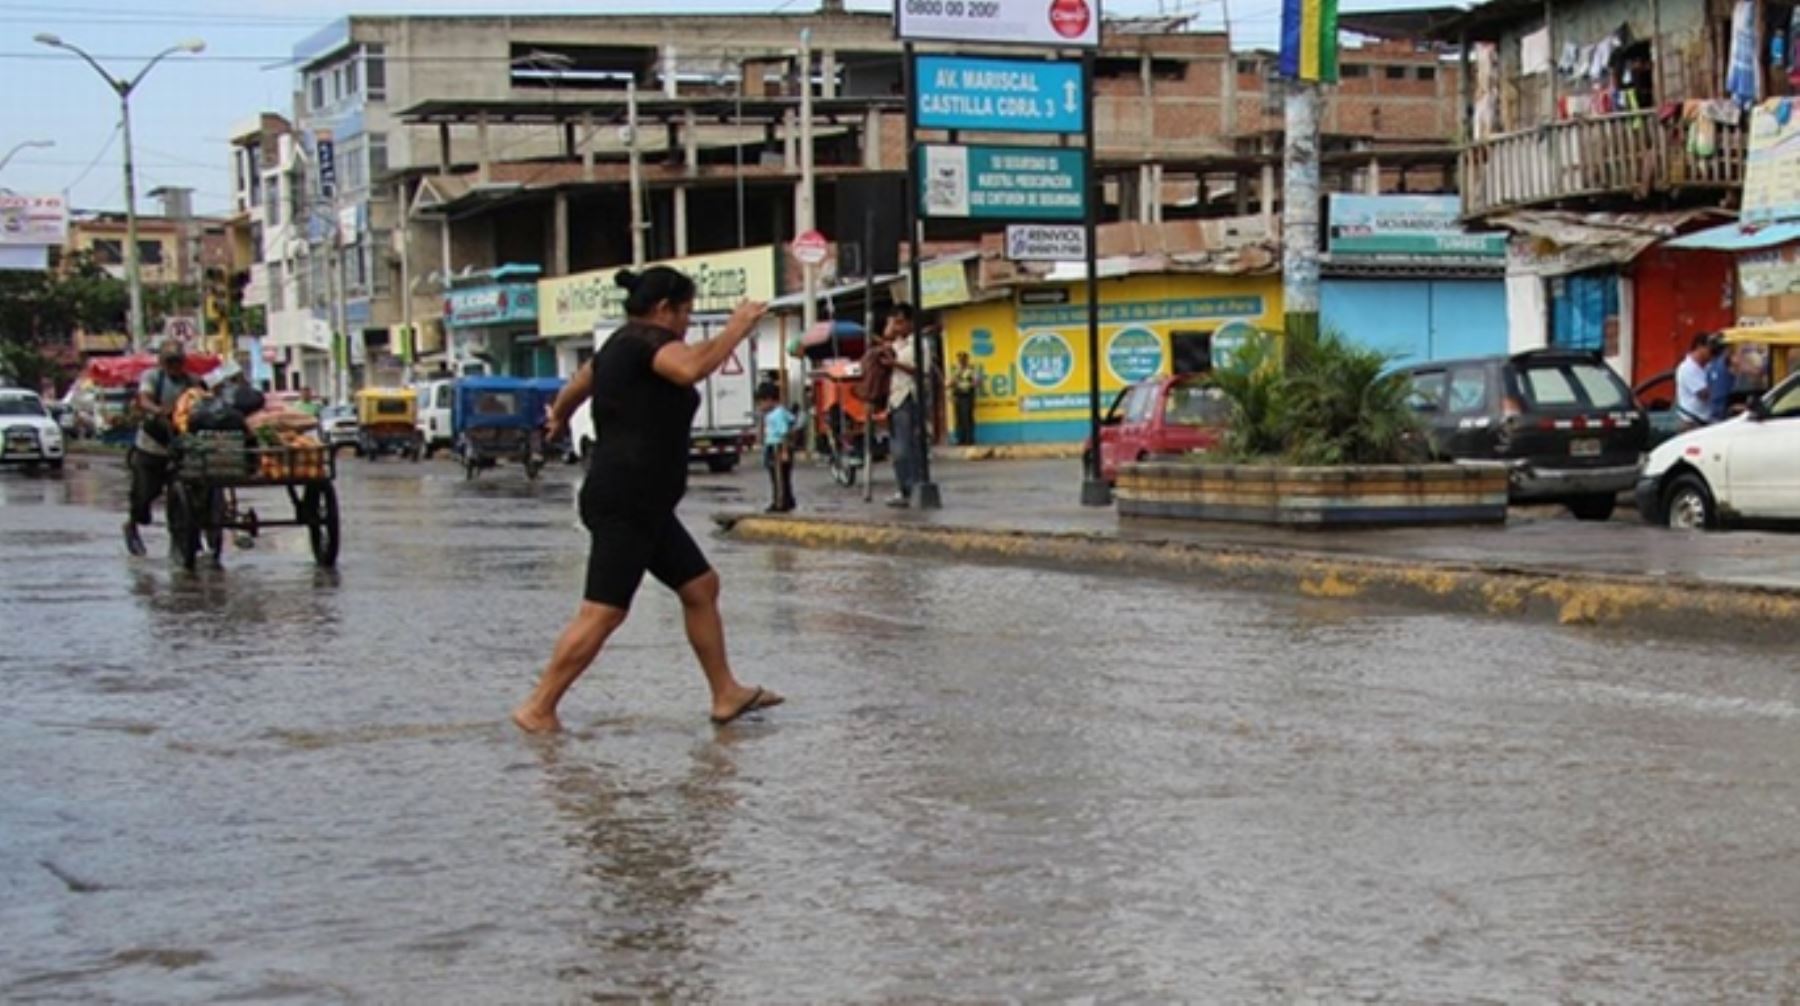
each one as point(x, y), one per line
point(38, 144)
point(123, 89)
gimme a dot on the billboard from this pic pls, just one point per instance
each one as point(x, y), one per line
point(33, 219)
point(1406, 225)
point(1058, 24)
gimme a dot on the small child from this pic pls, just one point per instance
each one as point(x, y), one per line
point(778, 455)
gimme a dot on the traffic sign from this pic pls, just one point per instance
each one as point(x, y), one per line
point(1046, 242)
point(999, 95)
point(1018, 183)
point(181, 329)
point(1060, 24)
point(811, 248)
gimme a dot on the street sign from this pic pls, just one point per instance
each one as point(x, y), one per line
point(1046, 242)
point(811, 248)
point(1016, 183)
point(999, 95)
point(1060, 24)
point(181, 329)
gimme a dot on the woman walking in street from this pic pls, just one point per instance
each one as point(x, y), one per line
point(642, 386)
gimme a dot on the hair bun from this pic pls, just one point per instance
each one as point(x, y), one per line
point(626, 279)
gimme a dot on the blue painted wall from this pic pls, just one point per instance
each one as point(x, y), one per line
point(1418, 319)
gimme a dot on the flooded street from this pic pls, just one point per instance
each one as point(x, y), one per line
point(269, 783)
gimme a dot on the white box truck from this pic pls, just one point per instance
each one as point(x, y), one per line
point(725, 422)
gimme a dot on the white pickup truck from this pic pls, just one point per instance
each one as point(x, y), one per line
point(725, 423)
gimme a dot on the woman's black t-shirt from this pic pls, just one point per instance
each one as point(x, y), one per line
point(641, 422)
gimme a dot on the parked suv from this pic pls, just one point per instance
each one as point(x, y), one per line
point(1564, 424)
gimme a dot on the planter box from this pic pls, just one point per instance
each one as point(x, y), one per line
point(1343, 496)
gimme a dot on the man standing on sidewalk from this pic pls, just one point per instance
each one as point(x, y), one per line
point(905, 402)
point(1693, 389)
point(964, 381)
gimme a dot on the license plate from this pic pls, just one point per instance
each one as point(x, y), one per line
point(1584, 448)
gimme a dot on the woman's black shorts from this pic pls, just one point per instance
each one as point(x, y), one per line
point(625, 546)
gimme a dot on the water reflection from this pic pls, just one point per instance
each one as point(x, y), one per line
point(648, 852)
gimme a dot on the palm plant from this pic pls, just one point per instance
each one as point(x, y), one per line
point(1326, 402)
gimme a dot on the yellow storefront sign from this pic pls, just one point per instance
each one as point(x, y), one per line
point(1032, 351)
point(584, 302)
point(943, 284)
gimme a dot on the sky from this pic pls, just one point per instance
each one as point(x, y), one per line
point(184, 111)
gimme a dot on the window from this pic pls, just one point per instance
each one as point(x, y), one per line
point(1396, 73)
point(378, 156)
point(109, 251)
point(150, 252)
point(1141, 403)
point(1468, 390)
point(1426, 73)
point(1247, 67)
point(338, 91)
point(318, 91)
point(1355, 71)
point(352, 70)
point(1196, 405)
point(272, 208)
point(1428, 391)
point(1602, 388)
point(375, 71)
point(277, 287)
point(1549, 386)
point(1784, 403)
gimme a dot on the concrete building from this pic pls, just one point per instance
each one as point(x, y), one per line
point(448, 146)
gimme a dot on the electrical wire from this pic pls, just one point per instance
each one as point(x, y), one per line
point(111, 138)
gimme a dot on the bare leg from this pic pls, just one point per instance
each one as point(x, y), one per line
point(706, 633)
point(579, 644)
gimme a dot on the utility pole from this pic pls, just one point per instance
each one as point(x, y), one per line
point(809, 311)
point(637, 174)
point(1300, 209)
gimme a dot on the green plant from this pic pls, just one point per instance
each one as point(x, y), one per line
point(1318, 400)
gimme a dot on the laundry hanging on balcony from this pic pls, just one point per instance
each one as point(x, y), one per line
point(1740, 78)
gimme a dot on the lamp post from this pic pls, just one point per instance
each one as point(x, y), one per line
point(123, 89)
point(37, 144)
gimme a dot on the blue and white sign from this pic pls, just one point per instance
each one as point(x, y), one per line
point(1000, 95)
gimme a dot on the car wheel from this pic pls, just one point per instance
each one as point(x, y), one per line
point(1688, 505)
point(1594, 507)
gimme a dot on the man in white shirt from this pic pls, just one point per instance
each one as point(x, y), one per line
point(905, 405)
point(1693, 388)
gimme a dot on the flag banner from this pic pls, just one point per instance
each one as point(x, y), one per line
point(1309, 43)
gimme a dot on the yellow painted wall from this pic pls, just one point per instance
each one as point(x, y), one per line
point(1034, 357)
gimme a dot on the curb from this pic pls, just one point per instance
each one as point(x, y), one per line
point(1010, 452)
point(1669, 605)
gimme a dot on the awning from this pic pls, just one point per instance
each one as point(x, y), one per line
point(1737, 237)
point(1780, 333)
point(1554, 243)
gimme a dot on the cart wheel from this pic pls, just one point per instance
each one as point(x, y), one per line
point(319, 510)
point(533, 465)
point(184, 526)
point(215, 522)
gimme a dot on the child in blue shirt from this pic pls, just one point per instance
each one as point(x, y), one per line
point(778, 423)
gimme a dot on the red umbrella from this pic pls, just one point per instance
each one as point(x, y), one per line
point(125, 371)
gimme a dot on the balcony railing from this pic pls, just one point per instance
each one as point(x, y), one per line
point(1633, 154)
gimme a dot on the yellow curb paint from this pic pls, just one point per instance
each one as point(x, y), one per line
point(1569, 598)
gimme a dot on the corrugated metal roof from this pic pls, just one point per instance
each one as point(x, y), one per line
point(1736, 237)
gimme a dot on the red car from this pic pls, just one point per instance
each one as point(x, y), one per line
point(1163, 416)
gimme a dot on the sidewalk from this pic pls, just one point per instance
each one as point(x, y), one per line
point(1029, 511)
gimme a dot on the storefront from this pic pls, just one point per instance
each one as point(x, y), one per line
point(1596, 283)
point(577, 309)
point(1031, 349)
point(493, 317)
point(1402, 277)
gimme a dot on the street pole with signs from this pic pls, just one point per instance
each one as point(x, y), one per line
point(1017, 186)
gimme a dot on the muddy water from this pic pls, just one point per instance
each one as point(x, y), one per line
point(270, 784)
